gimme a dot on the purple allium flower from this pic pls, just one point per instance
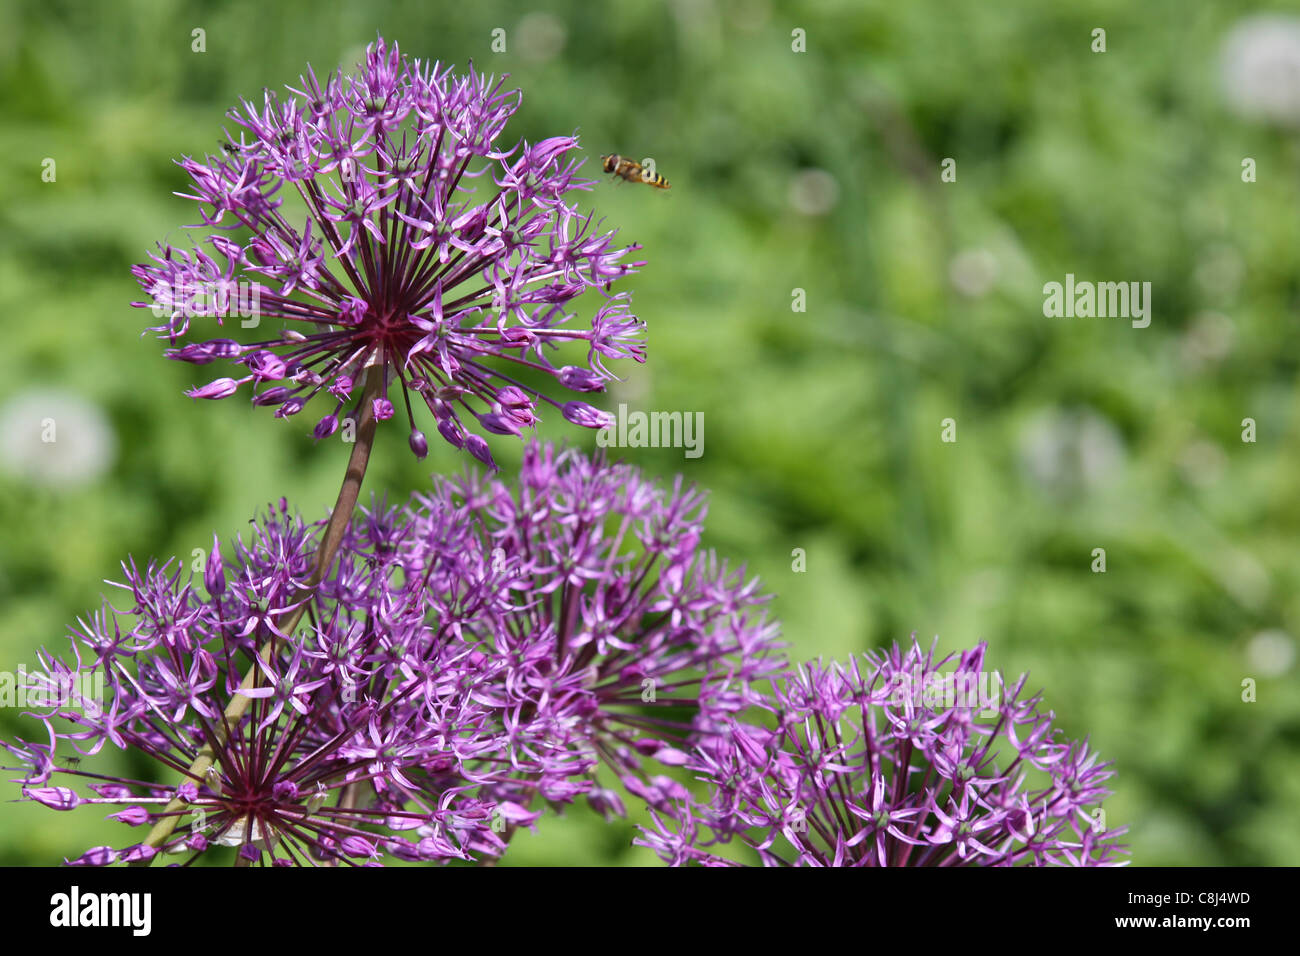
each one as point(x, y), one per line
point(384, 258)
point(464, 658)
point(356, 727)
point(614, 636)
point(895, 761)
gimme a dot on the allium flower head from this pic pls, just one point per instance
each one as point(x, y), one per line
point(378, 220)
point(465, 660)
point(617, 638)
point(895, 760)
point(348, 750)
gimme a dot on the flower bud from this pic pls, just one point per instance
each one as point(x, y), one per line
point(202, 353)
point(266, 366)
point(588, 416)
point(214, 575)
point(139, 853)
point(96, 856)
point(325, 427)
point(221, 388)
point(131, 816)
point(512, 397)
point(272, 396)
point(450, 433)
point(580, 379)
point(341, 387)
point(357, 846)
point(498, 424)
point(479, 449)
point(56, 798)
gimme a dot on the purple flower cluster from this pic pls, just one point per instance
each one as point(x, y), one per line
point(450, 669)
point(894, 761)
point(615, 637)
point(345, 212)
point(468, 659)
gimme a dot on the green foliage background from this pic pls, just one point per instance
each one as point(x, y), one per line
point(823, 427)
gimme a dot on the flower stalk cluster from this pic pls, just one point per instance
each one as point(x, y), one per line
point(466, 660)
point(416, 682)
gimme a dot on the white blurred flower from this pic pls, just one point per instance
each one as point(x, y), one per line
point(813, 192)
point(1202, 462)
point(973, 272)
point(1271, 653)
point(1219, 271)
point(540, 37)
point(1064, 450)
point(1208, 339)
point(55, 438)
point(1261, 68)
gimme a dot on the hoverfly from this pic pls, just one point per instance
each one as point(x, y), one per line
point(632, 171)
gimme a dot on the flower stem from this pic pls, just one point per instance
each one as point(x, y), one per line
point(340, 518)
